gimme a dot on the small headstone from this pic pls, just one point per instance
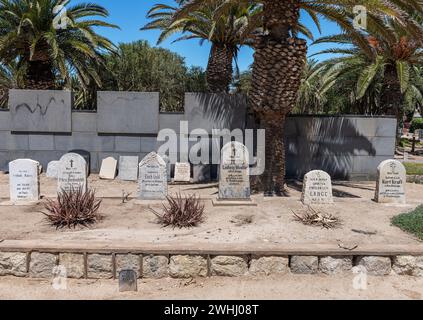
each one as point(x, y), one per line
point(108, 169)
point(182, 172)
point(127, 281)
point(234, 173)
point(128, 168)
point(24, 180)
point(152, 182)
point(72, 174)
point(317, 188)
point(201, 173)
point(52, 169)
point(391, 182)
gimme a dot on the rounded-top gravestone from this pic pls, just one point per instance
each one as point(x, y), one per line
point(152, 178)
point(72, 173)
point(24, 180)
point(390, 187)
point(317, 188)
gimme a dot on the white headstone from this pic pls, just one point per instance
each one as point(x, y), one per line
point(317, 188)
point(152, 182)
point(24, 180)
point(108, 169)
point(392, 177)
point(52, 169)
point(234, 172)
point(128, 168)
point(72, 174)
point(182, 172)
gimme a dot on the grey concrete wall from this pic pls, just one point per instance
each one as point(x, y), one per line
point(348, 147)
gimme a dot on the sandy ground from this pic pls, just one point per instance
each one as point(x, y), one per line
point(291, 287)
point(272, 219)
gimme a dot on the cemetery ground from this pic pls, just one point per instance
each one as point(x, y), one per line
point(364, 222)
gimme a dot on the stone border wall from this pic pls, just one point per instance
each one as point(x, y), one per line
point(83, 265)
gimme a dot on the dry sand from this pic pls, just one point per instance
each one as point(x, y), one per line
point(290, 286)
point(272, 219)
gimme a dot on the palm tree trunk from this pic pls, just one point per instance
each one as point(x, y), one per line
point(219, 68)
point(278, 65)
point(392, 99)
point(40, 76)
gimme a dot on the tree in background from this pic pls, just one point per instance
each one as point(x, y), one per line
point(47, 55)
point(227, 32)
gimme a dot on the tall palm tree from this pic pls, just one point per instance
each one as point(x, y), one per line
point(280, 56)
point(227, 33)
point(48, 53)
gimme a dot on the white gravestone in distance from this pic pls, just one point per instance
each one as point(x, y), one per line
point(391, 181)
point(182, 172)
point(108, 169)
point(24, 180)
point(128, 168)
point(234, 173)
point(317, 188)
point(152, 182)
point(52, 169)
point(72, 174)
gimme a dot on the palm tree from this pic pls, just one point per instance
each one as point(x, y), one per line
point(280, 56)
point(48, 53)
point(227, 33)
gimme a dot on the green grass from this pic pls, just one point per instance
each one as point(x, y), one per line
point(411, 222)
point(414, 169)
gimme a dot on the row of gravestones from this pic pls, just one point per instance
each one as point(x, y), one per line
point(152, 174)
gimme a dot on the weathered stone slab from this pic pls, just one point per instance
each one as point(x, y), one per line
point(152, 182)
point(24, 180)
point(408, 265)
point(128, 168)
point(72, 173)
point(155, 266)
point(128, 262)
point(391, 182)
point(376, 266)
point(234, 180)
point(108, 169)
point(265, 266)
point(182, 172)
point(99, 266)
point(53, 169)
point(40, 110)
point(229, 266)
point(304, 264)
point(188, 266)
point(74, 264)
point(335, 265)
point(128, 280)
point(317, 188)
point(13, 264)
point(42, 264)
point(128, 112)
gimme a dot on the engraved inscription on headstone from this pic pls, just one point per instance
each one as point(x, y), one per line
point(24, 180)
point(182, 172)
point(128, 168)
point(317, 188)
point(72, 174)
point(127, 281)
point(391, 181)
point(152, 182)
point(234, 175)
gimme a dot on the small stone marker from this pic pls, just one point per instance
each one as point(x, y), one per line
point(127, 281)
point(24, 180)
point(317, 188)
point(152, 182)
point(72, 173)
point(128, 168)
point(108, 169)
point(391, 182)
point(52, 169)
point(182, 172)
point(234, 173)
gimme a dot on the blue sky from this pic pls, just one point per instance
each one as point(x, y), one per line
point(130, 15)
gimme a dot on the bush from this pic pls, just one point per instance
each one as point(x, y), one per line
point(411, 222)
point(416, 124)
point(73, 208)
point(181, 212)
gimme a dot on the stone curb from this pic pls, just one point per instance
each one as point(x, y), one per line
point(38, 264)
